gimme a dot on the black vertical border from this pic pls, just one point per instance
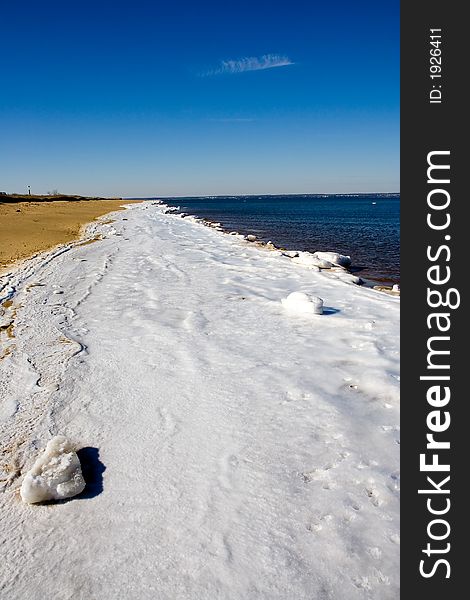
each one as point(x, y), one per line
point(428, 127)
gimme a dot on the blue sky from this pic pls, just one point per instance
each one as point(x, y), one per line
point(152, 98)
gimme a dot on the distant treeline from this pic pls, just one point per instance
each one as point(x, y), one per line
point(11, 198)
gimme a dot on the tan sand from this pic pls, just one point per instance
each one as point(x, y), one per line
point(30, 227)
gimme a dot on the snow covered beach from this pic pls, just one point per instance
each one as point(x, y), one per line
point(235, 449)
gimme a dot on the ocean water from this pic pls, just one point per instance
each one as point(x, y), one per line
point(366, 227)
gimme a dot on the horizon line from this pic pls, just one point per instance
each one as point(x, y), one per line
point(266, 195)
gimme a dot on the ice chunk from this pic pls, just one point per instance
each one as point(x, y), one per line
point(305, 258)
point(334, 257)
point(251, 238)
point(55, 475)
point(310, 260)
point(299, 302)
point(322, 263)
point(348, 278)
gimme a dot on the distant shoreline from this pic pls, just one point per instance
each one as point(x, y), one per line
point(15, 198)
point(303, 195)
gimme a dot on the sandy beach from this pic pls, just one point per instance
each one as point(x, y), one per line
point(233, 447)
point(28, 227)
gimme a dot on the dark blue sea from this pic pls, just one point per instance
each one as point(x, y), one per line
point(366, 227)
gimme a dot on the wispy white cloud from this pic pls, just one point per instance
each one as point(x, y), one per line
point(251, 63)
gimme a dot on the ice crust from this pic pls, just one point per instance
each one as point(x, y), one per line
point(334, 257)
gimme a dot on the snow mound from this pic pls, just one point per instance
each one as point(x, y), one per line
point(334, 257)
point(299, 302)
point(55, 475)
